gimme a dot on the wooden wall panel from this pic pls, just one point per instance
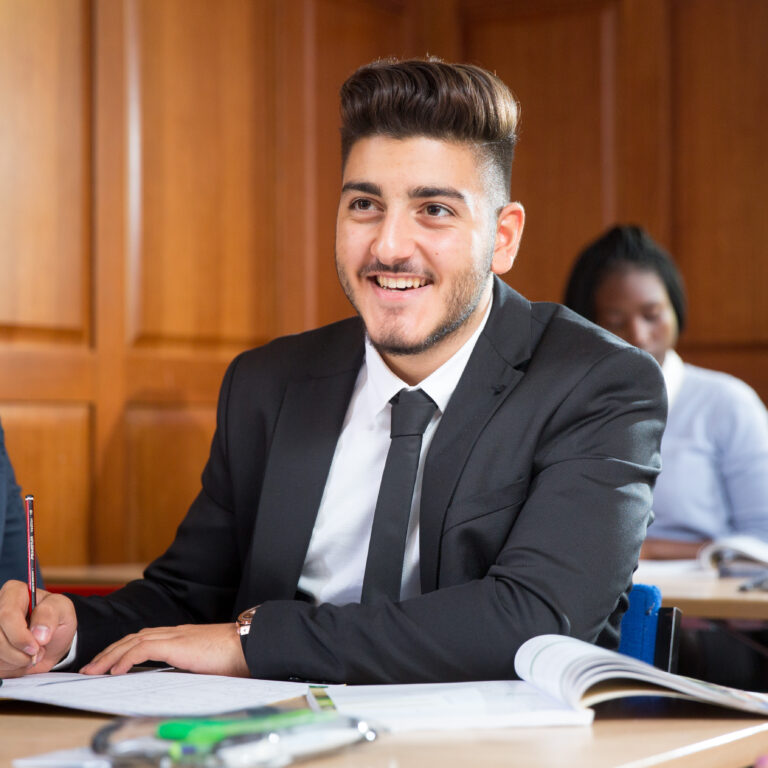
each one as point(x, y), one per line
point(319, 43)
point(110, 205)
point(169, 175)
point(554, 63)
point(46, 367)
point(201, 171)
point(44, 169)
point(721, 166)
point(434, 28)
point(643, 117)
point(167, 450)
point(50, 447)
point(347, 34)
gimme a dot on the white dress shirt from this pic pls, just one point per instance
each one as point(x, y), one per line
point(674, 371)
point(714, 457)
point(335, 563)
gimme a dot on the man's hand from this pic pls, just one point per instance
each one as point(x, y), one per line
point(212, 649)
point(47, 639)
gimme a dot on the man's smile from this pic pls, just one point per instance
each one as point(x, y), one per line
point(400, 283)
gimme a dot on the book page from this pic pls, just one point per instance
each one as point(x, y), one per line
point(547, 661)
point(451, 706)
point(651, 571)
point(569, 669)
point(154, 693)
point(738, 546)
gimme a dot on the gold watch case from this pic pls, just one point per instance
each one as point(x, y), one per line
point(244, 620)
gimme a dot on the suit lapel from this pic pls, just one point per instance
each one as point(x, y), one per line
point(494, 368)
point(307, 429)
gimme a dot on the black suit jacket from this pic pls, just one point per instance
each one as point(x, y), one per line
point(536, 495)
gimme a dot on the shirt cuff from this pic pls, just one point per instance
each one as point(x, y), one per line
point(69, 658)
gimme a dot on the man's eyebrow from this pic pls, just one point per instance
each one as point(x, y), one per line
point(420, 192)
point(366, 187)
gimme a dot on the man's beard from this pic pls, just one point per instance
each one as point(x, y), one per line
point(462, 302)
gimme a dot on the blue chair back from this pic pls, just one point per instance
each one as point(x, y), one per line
point(640, 623)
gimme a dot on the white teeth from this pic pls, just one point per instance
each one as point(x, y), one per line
point(400, 283)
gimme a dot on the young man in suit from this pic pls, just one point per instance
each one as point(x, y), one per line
point(527, 496)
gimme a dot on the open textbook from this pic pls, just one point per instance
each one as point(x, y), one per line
point(561, 679)
point(582, 675)
point(735, 555)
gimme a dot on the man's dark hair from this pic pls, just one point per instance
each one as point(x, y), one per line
point(621, 248)
point(429, 97)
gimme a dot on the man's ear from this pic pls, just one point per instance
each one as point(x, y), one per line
point(509, 231)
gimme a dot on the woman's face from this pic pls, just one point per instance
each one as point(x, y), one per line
point(634, 304)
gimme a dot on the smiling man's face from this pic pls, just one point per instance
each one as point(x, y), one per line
point(416, 242)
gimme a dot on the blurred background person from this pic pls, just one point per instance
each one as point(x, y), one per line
point(714, 479)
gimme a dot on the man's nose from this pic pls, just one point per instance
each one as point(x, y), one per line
point(394, 240)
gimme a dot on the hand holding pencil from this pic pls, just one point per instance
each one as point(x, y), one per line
point(38, 643)
point(36, 627)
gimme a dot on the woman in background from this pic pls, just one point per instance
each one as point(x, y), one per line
point(714, 453)
point(13, 524)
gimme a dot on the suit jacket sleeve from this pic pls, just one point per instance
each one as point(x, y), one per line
point(564, 566)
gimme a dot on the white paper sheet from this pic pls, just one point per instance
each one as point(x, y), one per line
point(158, 693)
point(649, 571)
point(451, 706)
point(64, 758)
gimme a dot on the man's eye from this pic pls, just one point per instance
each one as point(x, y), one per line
point(435, 209)
point(361, 204)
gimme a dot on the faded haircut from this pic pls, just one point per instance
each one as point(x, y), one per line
point(429, 97)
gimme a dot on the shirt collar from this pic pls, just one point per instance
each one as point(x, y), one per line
point(673, 370)
point(383, 384)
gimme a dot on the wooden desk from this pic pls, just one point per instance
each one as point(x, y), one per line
point(703, 596)
point(115, 575)
point(699, 740)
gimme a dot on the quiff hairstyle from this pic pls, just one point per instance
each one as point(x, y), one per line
point(429, 97)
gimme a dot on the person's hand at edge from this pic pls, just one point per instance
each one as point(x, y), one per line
point(212, 649)
point(39, 646)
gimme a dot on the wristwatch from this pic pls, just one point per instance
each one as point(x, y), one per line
point(243, 622)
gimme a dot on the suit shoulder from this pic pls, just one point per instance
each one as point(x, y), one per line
point(569, 340)
point(558, 324)
point(320, 351)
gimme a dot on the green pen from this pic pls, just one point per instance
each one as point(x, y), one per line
point(201, 735)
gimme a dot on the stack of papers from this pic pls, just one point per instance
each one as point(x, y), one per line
point(154, 693)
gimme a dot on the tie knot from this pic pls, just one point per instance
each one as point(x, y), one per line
point(412, 410)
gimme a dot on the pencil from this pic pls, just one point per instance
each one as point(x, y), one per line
point(29, 506)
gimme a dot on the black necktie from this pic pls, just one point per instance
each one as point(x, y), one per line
point(411, 412)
